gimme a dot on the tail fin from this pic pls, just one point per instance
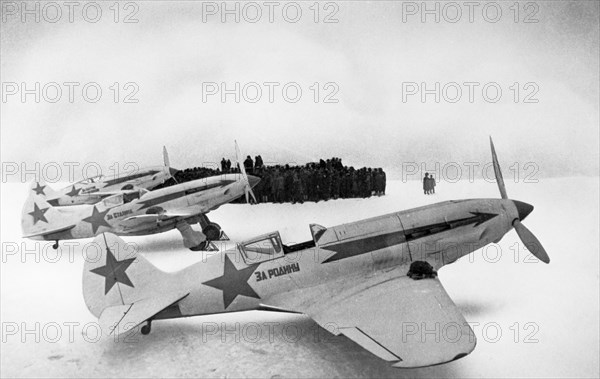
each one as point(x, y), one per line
point(41, 189)
point(40, 220)
point(121, 287)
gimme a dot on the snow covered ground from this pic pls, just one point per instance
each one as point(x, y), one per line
point(531, 319)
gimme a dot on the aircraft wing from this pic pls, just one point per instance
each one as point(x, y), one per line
point(185, 212)
point(154, 217)
point(139, 219)
point(48, 232)
point(110, 193)
point(412, 323)
point(119, 319)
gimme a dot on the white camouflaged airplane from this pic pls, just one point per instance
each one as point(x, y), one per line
point(140, 212)
point(374, 281)
point(92, 190)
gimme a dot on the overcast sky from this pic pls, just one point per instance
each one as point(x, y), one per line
point(371, 55)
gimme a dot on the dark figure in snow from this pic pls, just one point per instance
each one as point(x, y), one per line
point(248, 164)
point(258, 162)
point(426, 184)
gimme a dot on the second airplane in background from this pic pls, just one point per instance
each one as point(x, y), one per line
point(92, 190)
point(139, 211)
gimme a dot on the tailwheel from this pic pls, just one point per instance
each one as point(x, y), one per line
point(55, 245)
point(146, 329)
point(212, 231)
point(421, 270)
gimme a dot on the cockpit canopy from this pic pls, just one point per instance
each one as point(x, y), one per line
point(269, 246)
point(262, 248)
point(91, 180)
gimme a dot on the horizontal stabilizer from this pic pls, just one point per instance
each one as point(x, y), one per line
point(49, 232)
point(119, 319)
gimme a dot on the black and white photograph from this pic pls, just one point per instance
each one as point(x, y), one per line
point(300, 189)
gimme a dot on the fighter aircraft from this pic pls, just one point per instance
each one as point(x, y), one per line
point(92, 190)
point(140, 212)
point(374, 281)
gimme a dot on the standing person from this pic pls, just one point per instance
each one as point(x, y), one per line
point(369, 182)
point(355, 186)
point(275, 185)
point(258, 162)
point(378, 182)
point(280, 187)
point(426, 184)
point(223, 165)
point(431, 184)
point(266, 178)
point(248, 164)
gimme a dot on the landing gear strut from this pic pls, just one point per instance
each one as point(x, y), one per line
point(211, 230)
point(146, 329)
point(201, 247)
point(55, 246)
point(201, 241)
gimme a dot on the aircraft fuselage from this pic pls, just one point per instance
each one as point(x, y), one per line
point(83, 192)
point(260, 272)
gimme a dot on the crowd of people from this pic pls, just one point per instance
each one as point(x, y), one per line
point(316, 181)
point(325, 180)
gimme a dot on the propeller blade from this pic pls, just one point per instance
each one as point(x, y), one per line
point(247, 188)
point(531, 242)
point(167, 163)
point(497, 172)
point(240, 164)
point(166, 157)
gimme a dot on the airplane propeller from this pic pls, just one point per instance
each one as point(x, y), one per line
point(167, 162)
point(247, 187)
point(523, 209)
